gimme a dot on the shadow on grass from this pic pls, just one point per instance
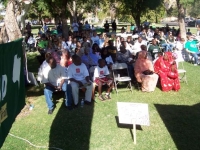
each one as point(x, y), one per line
point(71, 130)
point(183, 124)
point(128, 126)
point(32, 63)
point(34, 91)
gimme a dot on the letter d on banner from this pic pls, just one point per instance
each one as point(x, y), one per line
point(3, 86)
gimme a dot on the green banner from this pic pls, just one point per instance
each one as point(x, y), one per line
point(12, 89)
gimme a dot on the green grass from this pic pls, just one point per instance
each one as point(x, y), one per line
point(174, 120)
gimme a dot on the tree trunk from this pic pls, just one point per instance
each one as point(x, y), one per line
point(64, 23)
point(136, 17)
point(40, 18)
point(71, 18)
point(56, 19)
point(21, 17)
point(3, 35)
point(181, 19)
point(11, 30)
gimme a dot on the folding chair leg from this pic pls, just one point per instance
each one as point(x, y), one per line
point(185, 79)
point(116, 90)
point(131, 87)
point(116, 87)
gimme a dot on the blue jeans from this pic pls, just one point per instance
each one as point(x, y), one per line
point(195, 55)
point(48, 91)
point(171, 46)
point(167, 47)
point(130, 70)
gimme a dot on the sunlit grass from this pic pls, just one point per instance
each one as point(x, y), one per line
point(95, 127)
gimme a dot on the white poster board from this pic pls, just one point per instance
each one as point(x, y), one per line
point(138, 112)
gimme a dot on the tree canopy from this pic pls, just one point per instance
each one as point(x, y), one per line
point(138, 8)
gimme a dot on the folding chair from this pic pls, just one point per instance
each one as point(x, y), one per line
point(118, 79)
point(182, 71)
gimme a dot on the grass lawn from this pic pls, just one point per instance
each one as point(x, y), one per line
point(174, 120)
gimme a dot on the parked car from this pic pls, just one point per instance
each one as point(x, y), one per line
point(191, 23)
point(194, 23)
point(197, 22)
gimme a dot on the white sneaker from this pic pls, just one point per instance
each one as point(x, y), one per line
point(195, 64)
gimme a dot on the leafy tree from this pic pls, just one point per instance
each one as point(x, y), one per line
point(39, 10)
point(16, 12)
point(181, 7)
point(137, 8)
point(194, 10)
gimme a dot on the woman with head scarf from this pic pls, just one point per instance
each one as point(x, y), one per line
point(144, 72)
point(66, 59)
point(165, 66)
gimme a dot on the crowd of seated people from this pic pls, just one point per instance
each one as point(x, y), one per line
point(87, 60)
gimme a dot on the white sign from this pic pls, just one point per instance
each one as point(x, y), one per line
point(138, 112)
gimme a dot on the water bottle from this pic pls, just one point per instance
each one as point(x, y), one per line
point(31, 107)
point(82, 102)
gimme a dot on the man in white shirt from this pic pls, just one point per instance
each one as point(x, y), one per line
point(69, 41)
point(95, 38)
point(79, 77)
point(150, 34)
point(137, 45)
point(64, 45)
point(31, 42)
point(54, 78)
point(180, 51)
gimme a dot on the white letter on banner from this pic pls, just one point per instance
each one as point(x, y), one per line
point(16, 70)
point(4, 86)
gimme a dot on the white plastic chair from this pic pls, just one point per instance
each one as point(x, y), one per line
point(135, 36)
point(119, 79)
point(182, 72)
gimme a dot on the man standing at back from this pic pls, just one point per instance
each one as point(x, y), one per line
point(28, 28)
point(106, 26)
point(45, 27)
point(114, 26)
point(79, 77)
point(75, 27)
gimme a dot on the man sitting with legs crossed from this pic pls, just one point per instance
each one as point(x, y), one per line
point(54, 79)
point(79, 77)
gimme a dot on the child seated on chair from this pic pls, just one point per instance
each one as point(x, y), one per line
point(101, 77)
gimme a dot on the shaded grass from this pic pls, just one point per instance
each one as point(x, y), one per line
point(95, 127)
